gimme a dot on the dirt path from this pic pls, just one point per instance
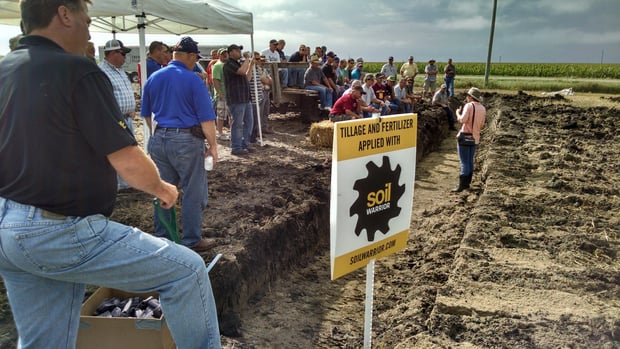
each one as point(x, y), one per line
point(305, 309)
point(527, 259)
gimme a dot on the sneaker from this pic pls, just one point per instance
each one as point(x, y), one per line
point(241, 152)
point(250, 149)
point(223, 137)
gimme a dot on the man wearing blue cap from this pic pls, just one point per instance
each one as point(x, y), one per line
point(180, 101)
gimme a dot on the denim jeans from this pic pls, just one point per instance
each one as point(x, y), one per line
point(383, 109)
point(450, 116)
point(449, 80)
point(46, 262)
point(466, 157)
point(180, 159)
point(324, 94)
point(283, 73)
point(296, 77)
point(242, 125)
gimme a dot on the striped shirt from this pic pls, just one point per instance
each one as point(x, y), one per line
point(259, 84)
point(123, 91)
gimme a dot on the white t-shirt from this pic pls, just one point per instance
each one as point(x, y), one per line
point(271, 56)
point(370, 94)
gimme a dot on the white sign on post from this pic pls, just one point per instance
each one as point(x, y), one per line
point(373, 170)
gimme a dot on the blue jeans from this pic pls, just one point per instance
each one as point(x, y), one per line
point(283, 72)
point(46, 262)
point(466, 157)
point(296, 77)
point(242, 125)
point(449, 80)
point(382, 108)
point(324, 94)
point(180, 159)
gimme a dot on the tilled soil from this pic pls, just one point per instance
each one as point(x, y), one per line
point(528, 258)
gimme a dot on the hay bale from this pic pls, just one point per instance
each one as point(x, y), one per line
point(322, 133)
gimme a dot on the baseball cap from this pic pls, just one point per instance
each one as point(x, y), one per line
point(114, 45)
point(187, 45)
point(331, 54)
point(235, 47)
point(222, 50)
point(390, 58)
point(443, 86)
point(315, 60)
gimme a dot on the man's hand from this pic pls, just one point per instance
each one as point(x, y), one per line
point(167, 195)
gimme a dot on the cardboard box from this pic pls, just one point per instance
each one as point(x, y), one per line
point(120, 333)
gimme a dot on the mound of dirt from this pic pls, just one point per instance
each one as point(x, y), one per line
point(528, 258)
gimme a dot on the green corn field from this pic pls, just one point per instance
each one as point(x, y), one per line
point(543, 70)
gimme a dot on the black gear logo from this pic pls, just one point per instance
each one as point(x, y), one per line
point(378, 197)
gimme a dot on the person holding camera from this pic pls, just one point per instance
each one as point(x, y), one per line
point(472, 115)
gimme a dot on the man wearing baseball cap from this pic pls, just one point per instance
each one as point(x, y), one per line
point(237, 76)
point(182, 107)
point(348, 107)
point(112, 65)
point(388, 69)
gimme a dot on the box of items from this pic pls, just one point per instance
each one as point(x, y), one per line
point(121, 332)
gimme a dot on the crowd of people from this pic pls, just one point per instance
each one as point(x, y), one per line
point(56, 197)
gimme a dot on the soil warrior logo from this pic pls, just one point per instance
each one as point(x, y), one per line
point(378, 197)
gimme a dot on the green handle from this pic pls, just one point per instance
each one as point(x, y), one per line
point(171, 226)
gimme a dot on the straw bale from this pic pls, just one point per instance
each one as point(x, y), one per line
point(322, 133)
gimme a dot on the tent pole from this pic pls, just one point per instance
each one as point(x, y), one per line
point(255, 87)
point(146, 133)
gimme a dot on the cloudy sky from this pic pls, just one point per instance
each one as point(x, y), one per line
point(572, 31)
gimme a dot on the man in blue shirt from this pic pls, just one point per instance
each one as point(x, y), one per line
point(156, 58)
point(180, 101)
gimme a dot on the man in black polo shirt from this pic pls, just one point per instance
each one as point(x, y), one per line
point(236, 77)
point(62, 140)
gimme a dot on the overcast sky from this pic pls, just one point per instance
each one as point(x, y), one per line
point(571, 31)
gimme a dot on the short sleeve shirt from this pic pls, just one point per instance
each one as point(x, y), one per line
point(218, 74)
point(346, 101)
point(237, 86)
point(177, 97)
point(56, 129)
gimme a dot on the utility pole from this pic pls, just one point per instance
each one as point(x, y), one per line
point(602, 54)
point(488, 67)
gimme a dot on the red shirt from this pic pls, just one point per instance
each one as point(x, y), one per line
point(343, 103)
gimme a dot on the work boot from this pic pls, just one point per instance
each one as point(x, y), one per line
point(468, 180)
point(463, 184)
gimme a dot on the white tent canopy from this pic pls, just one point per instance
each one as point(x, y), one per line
point(180, 17)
